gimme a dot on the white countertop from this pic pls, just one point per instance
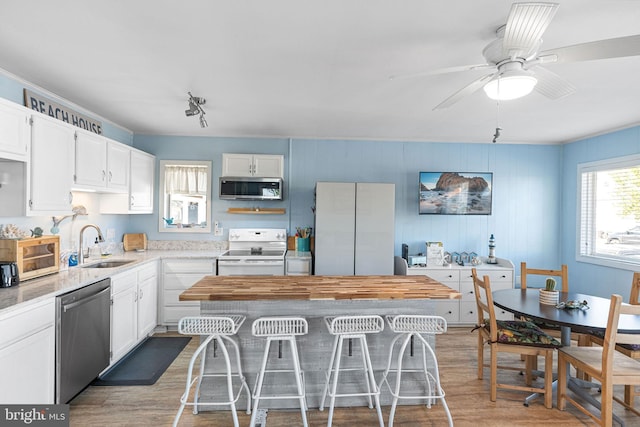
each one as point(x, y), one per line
point(34, 290)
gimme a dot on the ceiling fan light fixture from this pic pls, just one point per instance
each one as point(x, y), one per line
point(510, 85)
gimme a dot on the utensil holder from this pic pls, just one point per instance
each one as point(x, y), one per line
point(303, 244)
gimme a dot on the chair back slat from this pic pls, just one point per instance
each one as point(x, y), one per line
point(635, 289)
point(611, 334)
point(563, 274)
point(484, 301)
point(633, 310)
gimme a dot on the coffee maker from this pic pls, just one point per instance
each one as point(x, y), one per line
point(8, 274)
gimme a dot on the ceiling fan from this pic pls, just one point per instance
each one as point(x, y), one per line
point(514, 59)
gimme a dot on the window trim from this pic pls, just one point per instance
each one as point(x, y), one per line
point(595, 166)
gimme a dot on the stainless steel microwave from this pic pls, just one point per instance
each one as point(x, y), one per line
point(250, 188)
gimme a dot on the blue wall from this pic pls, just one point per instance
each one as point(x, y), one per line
point(586, 277)
point(526, 189)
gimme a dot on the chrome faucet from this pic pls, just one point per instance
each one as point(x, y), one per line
point(80, 251)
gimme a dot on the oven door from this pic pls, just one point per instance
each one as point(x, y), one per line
point(250, 267)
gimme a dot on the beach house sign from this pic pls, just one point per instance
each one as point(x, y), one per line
point(53, 109)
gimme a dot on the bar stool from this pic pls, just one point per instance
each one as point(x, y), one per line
point(280, 329)
point(219, 329)
point(409, 327)
point(352, 327)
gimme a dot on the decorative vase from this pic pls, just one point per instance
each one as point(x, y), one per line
point(549, 297)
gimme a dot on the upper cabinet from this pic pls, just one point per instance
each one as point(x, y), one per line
point(139, 197)
point(52, 166)
point(14, 131)
point(258, 165)
point(101, 164)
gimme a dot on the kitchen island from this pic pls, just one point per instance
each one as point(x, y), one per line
point(314, 297)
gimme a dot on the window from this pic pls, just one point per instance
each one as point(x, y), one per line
point(609, 212)
point(185, 196)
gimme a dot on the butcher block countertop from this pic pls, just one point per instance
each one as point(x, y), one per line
point(249, 288)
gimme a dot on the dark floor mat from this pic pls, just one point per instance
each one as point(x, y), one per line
point(146, 363)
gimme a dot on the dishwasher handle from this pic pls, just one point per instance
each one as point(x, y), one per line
point(82, 301)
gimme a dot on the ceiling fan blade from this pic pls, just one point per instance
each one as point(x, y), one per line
point(552, 85)
point(601, 49)
point(442, 71)
point(465, 91)
point(525, 25)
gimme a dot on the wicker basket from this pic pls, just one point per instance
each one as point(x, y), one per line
point(549, 297)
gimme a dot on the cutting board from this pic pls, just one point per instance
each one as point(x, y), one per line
point(134, 241)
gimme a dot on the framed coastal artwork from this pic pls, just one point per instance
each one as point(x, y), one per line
point(455, 193)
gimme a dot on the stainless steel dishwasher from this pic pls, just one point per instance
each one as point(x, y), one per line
point(83, 329)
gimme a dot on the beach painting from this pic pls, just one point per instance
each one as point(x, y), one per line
point(455, 193)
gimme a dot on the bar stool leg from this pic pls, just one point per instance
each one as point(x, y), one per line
point(229, 381)
point(366, 374)
point(396, 393)
point(436, 376)
point(372, 379)
point(185, 396)
point(196, 394)
point(326, 383)
point(240, 374)
point(297, 373)
point(257, 389)
point(334, 386)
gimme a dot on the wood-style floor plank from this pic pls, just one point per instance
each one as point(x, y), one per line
point(467, 397)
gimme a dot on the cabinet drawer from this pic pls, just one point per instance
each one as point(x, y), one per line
point(180, 281)
point(123, 281)
point(206, 266)
point(468, 312)
point(24, 322)
point(495, 276)
point(444, 276)
point(468, 292)
point(449, 310)
point(301, 266)
point(147, 271)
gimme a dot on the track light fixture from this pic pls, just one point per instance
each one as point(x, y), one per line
point(195, 108)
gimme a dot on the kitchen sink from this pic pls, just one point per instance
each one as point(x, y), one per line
point(107, 264)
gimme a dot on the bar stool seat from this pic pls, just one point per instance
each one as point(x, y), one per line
point(352, 327)
point(408, 328)
point(220, 329)
point(280, 329)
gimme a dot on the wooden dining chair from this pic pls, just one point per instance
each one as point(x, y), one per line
point(563, 275)
point(631, 350)
point(512, 337)
point(603, 364)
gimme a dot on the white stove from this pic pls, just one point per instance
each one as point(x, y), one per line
point(254, 251)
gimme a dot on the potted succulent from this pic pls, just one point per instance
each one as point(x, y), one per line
point(549, 295)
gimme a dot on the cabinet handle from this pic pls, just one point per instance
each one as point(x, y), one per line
point(141, 294)
point(110, 176)
point(70, 197)
point(449, 312)
point(504, 277)
point(104, 174)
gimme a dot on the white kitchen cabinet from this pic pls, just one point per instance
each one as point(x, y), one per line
point(139, 198)
point(179, 275)
point(52, 166)
point(257, 165)
point(101, 164)
point(298, 263)
point(14, 131)
point(464, 311)
point(27, 354)
point(133, 308)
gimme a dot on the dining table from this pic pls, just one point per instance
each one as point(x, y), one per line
point(590, 316)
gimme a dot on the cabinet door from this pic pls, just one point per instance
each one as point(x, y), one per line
point(142, 171)
point(118, 162)
point(14, 132)
point(237, 164)
point(52, 166)
point(147, 305)
point(27, 369)
point(375, 228)
point(91, 160)
point(269, 166)
point(124, 324)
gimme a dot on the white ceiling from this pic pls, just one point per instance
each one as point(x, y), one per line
point(313, 68)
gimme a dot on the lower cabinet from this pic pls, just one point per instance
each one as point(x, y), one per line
point(179, 275)
point(27, 355)
point(134, 297)
point(464, 311)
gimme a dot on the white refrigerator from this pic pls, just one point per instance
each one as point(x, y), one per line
point(354, 228)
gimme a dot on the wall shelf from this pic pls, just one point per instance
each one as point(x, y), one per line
point(257, 211)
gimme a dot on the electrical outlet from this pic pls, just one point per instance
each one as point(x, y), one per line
point(217, 231)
